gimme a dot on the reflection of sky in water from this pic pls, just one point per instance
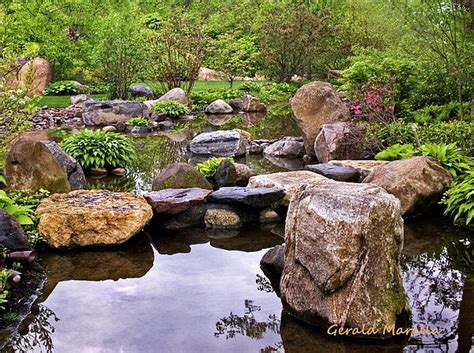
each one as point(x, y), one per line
point(173, 308)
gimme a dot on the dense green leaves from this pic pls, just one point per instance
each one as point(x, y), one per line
point(209, 167)
point(99, 149)
point(173, 109)
point(459, 198)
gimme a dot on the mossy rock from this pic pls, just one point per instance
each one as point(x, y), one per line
point(180, 176)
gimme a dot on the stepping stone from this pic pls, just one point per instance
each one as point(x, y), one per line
point(172, 201)
point(259, 198)
point(335, 172)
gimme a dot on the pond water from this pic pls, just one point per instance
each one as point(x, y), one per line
point(196, 291)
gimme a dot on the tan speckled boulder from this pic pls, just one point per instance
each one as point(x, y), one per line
point(92, 217)
point(343, 244)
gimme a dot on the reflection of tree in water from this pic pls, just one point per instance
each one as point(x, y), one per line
point(38, 335)
point(263, 284)
point(435, 284)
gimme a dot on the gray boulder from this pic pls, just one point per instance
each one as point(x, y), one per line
point(104, 113)
point(272, 266)
point(226, 174)
point(219, 144)
point(256, 198)
point(335, 172)
point(12, 235)
point(172, 201)
point(286, 147)
point(141, 91)
point(219, 107)
point(251, 104)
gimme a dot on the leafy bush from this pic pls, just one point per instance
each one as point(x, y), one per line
point(209, 167)
point(61, 88)
point(250, 87)
point(137, 121)
point(59, 134)
point(439, 113)
point(100, 149)
point(171, 108)
point(21, 213)
point(459, 198)
point(395, 152)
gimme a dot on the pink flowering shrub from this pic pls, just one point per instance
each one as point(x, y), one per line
point(373, 102)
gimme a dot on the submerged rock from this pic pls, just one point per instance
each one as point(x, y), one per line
point(12, 235)
point(172, 201)
point(364, 167)
point(218, 144)
point(313, 105)
point(340, 141)
point(91, 217)
point(219, 107)
point(418, 182)
point(342, 258)
point(38, 165)
point(257, 198)
point(335, 172)
point(180, 176)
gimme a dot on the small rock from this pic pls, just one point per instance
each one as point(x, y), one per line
point(255, 148)
point(12, 235)
point(119, 171)
point(137, 130)
point(165, 125)
point(172, 201)
point(109, 128)
point(269, 216)
point(364, 167)
point(237, 105)
point(244, 173)
point(272, 266)
point(176, 94)
point(286, 147)
point(98, 171)
point(226, 174)
point(258, 198)
point(222, 219)
point(218, 107)
point(139, 90)
point(78, 100)
point(252, 104)
point(335, 172)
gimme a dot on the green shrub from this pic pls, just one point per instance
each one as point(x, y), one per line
point(250, 87)
point(459, 198)
point(171, 108)
point(21, 213)
point(59, 134)
point(100, 149)
point(439, 113)
point(209, 167)
point(61, 88)
point(396, 151)
point(203, 98)
point(138, 121)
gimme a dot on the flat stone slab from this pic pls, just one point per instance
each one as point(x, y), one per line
point(173, 201)
point(218, 143)
point(259, 198)
point(335, 172)
point(364, 167)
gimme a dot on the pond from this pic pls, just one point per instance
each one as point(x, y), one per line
point(197, 291)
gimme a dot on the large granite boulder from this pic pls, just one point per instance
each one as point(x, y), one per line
point(286, 147)
point(38, 165)
point(418, 182)
point(140, 90)
point(91, 217)
point(175, 94)
point(364, 167)
point(218, 144)
point(251, 104)
point(180, 176)
point(35, 75)
point(219, 107)
point(289, 182)
point(340, 141)
point(255, 198)
point(335, 172)
point(313, 105)
point(172, 201)
point(12, 235)
point(342, 257)
point(105, 113)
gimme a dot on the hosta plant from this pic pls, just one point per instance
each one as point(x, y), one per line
point(100, 149)
point(459, 198)
point(209, 167)
point(171, 108)
point(137, 121)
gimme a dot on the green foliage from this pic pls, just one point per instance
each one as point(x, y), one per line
point(100, 149)
point(60, 133)
point(171, 108)
point(459, 198)
point(4, 276)
point(61, 88)
point(138, 121)
point(21, 213)
point(449, 156)
point(203, 98)
point(439, 113)
point(395, 152)
point(209, 167)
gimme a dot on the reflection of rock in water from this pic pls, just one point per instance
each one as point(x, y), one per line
point(219, 119)
point(298, 338)
point(422, 236)
point(248, 240)
point(250, 119)
point(130, 260)
point(286, 163)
